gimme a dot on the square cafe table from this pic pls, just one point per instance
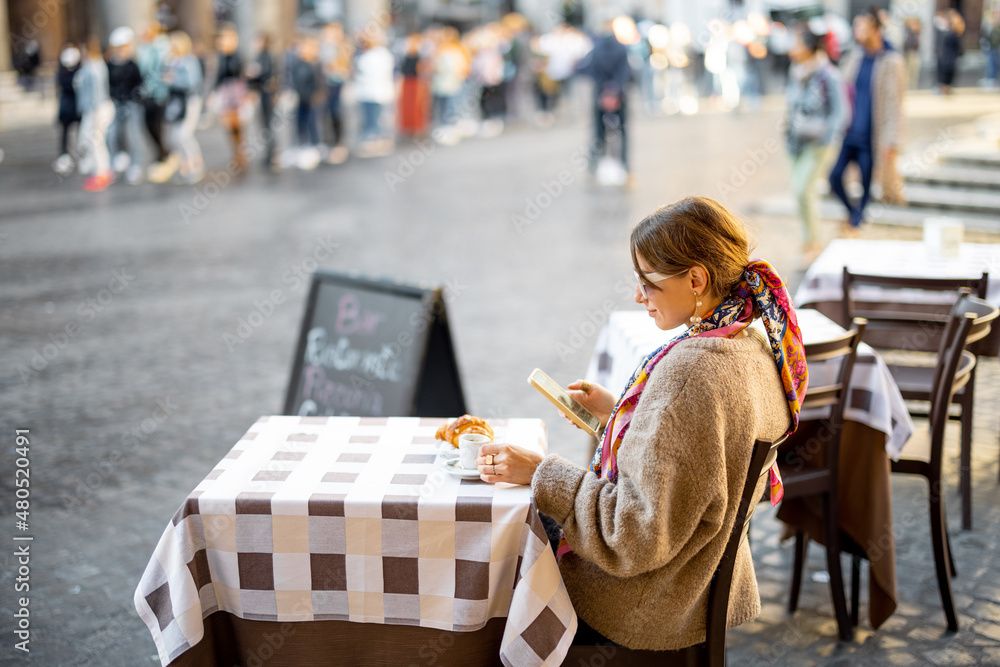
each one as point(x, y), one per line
point(822, 285)
point(876, 427)
point(341, 540)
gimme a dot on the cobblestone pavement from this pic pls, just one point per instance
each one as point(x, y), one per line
point(140, 394)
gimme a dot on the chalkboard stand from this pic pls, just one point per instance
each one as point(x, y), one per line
point(433, 382)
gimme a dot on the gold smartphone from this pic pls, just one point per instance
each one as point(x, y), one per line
point(560, 398)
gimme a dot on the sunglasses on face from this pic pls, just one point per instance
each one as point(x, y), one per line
point(652, 277)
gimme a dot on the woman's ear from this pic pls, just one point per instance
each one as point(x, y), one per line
point(698, 275)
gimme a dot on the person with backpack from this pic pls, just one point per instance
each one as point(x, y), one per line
point(608, 65)
point(817, 111)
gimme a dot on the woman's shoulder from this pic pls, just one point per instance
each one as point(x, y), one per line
point(723, 361)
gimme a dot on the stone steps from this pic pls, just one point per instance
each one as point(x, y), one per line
point(907, 216)
point(988, 159)
point(967, 200)
point(955, 176)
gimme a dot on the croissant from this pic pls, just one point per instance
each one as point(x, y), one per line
point(464, 424)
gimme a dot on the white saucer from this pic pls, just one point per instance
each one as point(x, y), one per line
point(453, 468)
point(447, 450)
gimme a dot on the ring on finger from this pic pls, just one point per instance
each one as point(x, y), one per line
point(494, 470)
point(489, 459)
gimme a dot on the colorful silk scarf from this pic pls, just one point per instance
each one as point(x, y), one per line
point(760, 293)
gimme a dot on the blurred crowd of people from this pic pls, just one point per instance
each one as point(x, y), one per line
point(136, 106)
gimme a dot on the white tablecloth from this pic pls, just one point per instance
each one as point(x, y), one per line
point(823, 280)
point(353, 519)
point(874, 398)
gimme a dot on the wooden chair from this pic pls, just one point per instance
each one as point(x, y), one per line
point(925, 450)
point(711, 653)
point(804, 476)
point(912, 327)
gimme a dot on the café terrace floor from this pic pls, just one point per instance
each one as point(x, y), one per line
point(515, 294)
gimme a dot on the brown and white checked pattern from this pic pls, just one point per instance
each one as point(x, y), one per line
point(823, 280)
point(874, 399)
point(348, 518)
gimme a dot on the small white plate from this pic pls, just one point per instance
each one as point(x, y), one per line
point(453, 468)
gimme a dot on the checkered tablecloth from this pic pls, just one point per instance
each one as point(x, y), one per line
point(874, 398)
point(353, 519)
point(823, 280)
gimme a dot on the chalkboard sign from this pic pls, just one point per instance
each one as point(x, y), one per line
point(374, 348)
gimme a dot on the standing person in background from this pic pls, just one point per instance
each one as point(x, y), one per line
point(563, 49)
point(183, 76)
point(125, 84)
point(990, 43)
point(911, 50)
point(951, 50)
point(875, 132)
point(230, 91)
point(96, 112)
point(375, 89)
point(335, 54)
point(27, 59)
point(261, 78)
point(517, 74)
point(449, 72)
point(487, 69)
point(69, 115)
point(413, 98)
point(150, 56)
point(817, 114)
point(607, 64)
point(306, 77)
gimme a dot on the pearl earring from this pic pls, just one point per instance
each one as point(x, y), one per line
point(696, 318)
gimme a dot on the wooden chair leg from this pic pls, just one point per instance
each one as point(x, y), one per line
point(965, 464)
point(951, 556)
point(941, 558)
point(832, 539)
point(801, 546)
point(855, 588)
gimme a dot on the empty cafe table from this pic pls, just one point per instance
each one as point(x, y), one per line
point(822, 285)
point(342, 541)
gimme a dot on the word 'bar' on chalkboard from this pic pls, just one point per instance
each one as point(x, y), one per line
point(374, 347)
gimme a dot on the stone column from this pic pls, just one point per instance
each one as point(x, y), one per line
point(114, 13)
point(4, 39)
point(195, 17)
point(246, 26)
point(367, 14)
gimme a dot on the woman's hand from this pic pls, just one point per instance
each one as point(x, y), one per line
point(498, 462)
point(594, 397)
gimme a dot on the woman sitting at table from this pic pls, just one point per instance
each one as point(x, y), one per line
point(644, 528)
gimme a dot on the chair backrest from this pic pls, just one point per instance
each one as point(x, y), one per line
point(834, 395)
point(845, 348)
point(765, 452)
point(954, 368)
point(895, 324)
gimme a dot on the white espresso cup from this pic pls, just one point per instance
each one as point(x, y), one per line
point(468, 448)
